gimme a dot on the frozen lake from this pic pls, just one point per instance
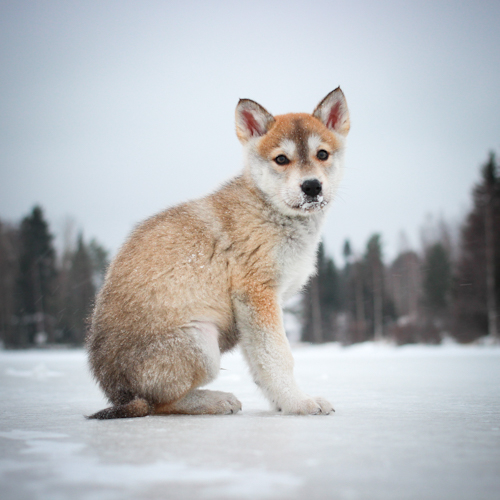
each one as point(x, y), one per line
point(414, 422)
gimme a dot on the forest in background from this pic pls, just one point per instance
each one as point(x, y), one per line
point(46, 298)
point(450, 288)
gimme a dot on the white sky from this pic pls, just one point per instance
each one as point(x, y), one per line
point(111, 111)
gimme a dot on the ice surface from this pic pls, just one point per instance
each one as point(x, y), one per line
point(414, 422)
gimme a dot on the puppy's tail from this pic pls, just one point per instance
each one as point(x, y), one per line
point(136, 408)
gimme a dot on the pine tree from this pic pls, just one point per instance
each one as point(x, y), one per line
point(375, 267)
point(79, 293)
point(36, 281)
point(9, 249)
point(99, 260)
point(321, 301)
point(329, 298)
point(352, 297)
point(436, 285)
point(347, 252)
point(477, 283)
point(437, 278)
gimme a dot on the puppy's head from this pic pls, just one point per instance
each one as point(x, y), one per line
point(296, 159)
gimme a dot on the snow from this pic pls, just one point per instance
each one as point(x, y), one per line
point(412, 422)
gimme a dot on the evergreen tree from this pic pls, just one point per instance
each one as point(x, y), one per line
point(436, 286)
point(477, 283)
point(36, 281)
point(79, 292)
point(321, 301)
point(351, 297)
point(437, 278)
point(329, 298)
point(375, 268)
point(99, 260)
point(9, 249)
point(347, 252)
point(345, 288)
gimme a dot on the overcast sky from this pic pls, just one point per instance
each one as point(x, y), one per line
point(111, 111)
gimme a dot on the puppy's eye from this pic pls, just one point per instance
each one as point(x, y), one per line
point(282, 160)
point(322, 155)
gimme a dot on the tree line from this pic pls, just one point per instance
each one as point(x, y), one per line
point(45, 298)
point(450, 288)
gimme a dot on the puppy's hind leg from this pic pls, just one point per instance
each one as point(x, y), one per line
point(201, 402)
point(162, 377)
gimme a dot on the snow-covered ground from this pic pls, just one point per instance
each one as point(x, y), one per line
point(414, 422)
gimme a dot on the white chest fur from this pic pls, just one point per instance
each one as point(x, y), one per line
point(296, 254)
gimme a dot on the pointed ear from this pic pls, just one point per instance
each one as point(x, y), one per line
point(252, 120)
point(333, 113)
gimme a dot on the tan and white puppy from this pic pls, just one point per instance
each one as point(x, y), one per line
point(197, 279)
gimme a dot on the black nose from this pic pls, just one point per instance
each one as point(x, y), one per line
point(311, 187)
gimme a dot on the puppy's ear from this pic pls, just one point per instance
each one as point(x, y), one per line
point(333, 113)
point(252, 120)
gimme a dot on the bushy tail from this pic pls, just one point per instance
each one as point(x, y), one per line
point(136, 408)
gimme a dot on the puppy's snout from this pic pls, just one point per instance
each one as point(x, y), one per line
point(311, 187)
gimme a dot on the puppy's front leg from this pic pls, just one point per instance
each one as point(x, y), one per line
point(268, 353)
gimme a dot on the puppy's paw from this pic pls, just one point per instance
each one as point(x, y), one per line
point(224, 403)
point(326, 407)
point(309, 406)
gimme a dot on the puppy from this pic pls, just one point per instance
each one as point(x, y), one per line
point(197, 279)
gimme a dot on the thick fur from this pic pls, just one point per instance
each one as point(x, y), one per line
point(195, 280)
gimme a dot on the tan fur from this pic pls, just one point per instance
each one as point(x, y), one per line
point(290, 127)
point(194, 280)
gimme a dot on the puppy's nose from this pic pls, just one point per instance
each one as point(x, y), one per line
point(311, 187)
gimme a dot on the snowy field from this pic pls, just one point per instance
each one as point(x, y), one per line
point(414, 422)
